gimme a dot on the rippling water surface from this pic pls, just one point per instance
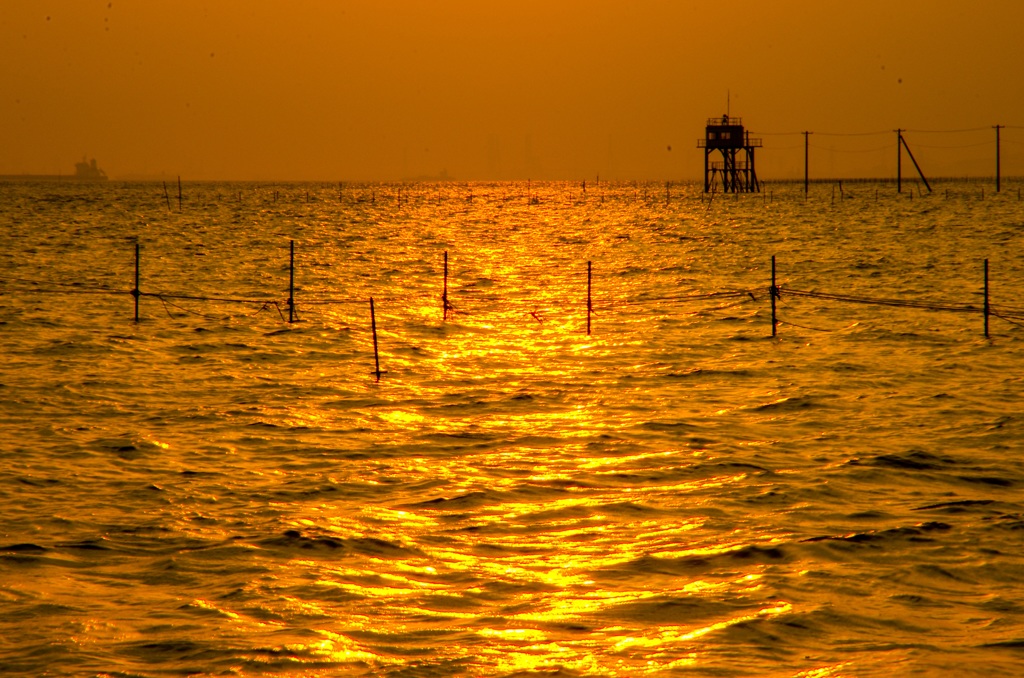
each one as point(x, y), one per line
point(215, 490)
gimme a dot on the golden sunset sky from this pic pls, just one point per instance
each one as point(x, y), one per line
point(555, 89)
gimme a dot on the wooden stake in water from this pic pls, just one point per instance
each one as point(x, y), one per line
point(444, 294)
point(167, 198)
point(135, 292)
point(373, 326)
point(291, 285)
point(773, 293)
point(590, 305)
point(179, 193)
point(986, 299)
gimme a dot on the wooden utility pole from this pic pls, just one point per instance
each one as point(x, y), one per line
point(806, 180)
point(997, 128)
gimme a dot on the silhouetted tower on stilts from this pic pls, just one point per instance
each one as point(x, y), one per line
point(727, 136)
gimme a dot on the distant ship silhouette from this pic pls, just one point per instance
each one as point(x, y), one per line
point(87, 170)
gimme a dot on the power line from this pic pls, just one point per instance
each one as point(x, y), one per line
point(982, 143)
point(852, 150)
point(947, 131)
point(854, 134)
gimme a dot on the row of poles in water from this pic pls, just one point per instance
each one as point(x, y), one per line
point(446, 305)
point(532, 199)
point(774, 293)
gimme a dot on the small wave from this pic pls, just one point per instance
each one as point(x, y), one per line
point(1007, 521)
point(959, 506)
point(667, 426)
point(465, 501)
point(788, 404)
point(700, 562)
point(366, 546)
point(24, 548)
point(39, 482)
point(914, 460)
point(988, 480)
point(85, 545)
point(1016, 643)
point(915, 533)
point(305, 492)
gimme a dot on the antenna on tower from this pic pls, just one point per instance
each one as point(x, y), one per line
point(727, 111)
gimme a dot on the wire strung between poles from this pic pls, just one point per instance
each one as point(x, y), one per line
point(485, 304)
point(263, 307)
point(877, 301)
point(54, 283)
point(1002, 317)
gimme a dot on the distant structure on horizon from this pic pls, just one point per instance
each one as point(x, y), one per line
point(727, 136)
point(87, 170)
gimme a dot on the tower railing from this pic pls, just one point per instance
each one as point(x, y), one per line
point(752, 143)
point(724, 120)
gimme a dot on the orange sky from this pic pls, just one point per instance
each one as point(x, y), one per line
point(385, 90)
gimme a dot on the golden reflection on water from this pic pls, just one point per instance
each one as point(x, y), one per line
point(520, 310)
point(825, 671)
point(513, 495)
point(555, 589)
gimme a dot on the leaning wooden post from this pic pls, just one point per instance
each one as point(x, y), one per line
point(291, 285)
point(444, 294)
point(135, 292)
point(373, 326)
point(179, 193)
point(773, 293)
point(986, 299)
point(590, 305)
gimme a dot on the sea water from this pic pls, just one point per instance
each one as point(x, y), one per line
point(215, 490)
